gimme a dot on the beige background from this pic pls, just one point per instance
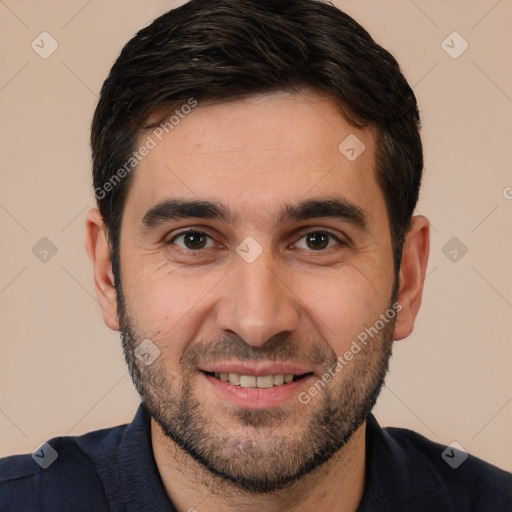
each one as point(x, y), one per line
point(62, 370)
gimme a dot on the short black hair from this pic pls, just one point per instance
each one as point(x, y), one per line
point(220, 50)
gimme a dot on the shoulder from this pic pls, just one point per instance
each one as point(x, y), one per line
point(61, 471)
point(469, 482)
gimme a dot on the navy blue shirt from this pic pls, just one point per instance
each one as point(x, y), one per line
point(114, 470)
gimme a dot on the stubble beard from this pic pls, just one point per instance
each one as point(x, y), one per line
point(265, 458)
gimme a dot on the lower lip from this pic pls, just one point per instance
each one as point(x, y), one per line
point(258, 398)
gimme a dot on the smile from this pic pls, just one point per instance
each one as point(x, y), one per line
point(252, 381)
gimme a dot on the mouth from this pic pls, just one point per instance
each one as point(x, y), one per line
point(260, 381)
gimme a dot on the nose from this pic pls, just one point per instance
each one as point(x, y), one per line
point(256, 303)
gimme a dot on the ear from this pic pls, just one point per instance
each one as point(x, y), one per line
point(412, 275)
point(98, 251)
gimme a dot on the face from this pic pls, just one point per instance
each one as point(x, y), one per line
point(253, 253)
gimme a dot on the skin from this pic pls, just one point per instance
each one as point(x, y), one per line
point(253, 156)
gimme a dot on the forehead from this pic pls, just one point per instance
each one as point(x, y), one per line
point(257, 154)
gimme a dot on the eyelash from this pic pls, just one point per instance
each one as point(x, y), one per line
point(199, 252)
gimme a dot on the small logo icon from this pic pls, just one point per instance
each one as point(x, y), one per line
point(454, 249)
point(249, 249)
point(44, 250)
point(45, 455)
point(507, 192)
point(44, 45)
point(352, 147)
point(454, 455)
point(454, 45)
point(147, 352)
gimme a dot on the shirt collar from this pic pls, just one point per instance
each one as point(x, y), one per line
point(135, 481)
point(387, 485)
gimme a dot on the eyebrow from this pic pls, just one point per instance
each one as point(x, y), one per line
point(178, 209)
point(335, 208)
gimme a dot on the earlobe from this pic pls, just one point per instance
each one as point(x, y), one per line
point(99, 254)
point(412, 275)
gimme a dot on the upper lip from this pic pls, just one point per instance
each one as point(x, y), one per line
point(259, 369)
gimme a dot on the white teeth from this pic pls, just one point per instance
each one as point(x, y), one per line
point(265, 382)
point(250, 381)
point(234, 378)
point(247, 381)
point(278, 380)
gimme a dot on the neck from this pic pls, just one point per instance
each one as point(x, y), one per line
point(336, 485)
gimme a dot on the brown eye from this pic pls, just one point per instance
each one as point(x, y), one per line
point(318, 241)
point(192, 240)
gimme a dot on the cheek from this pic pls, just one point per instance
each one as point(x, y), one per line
point(170, 308)
point(342, 304)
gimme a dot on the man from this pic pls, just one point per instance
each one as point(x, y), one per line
point(256, 166)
